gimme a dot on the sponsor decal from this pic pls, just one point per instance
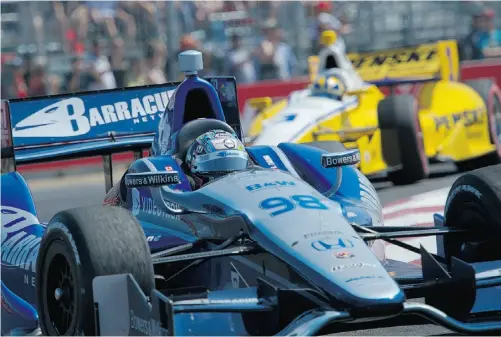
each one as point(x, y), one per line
point(74, 117)
point(464, 188)
point(351, 215)
point(332, 244)
point(344, 255)
point(20, 241)
point(469, 117)
point(314, 234)
point(168, 168)
point(360, 278)
point(147, 206)
point(149, 327)
point(222, 134)
point(342, 267)
point(153, 238)
point(229, 154)
point(350, 157)
point(151, 179)
point(227, 92)
point(269, 161)
point(199, 149)
point(420, 54)
point(271, 184)
point(229, 143)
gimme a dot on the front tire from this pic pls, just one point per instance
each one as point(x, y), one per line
point(402, 139)
point(79, 245)
point(474, 203)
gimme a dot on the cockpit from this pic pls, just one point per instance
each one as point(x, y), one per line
point(196, 99)
point(333, 58)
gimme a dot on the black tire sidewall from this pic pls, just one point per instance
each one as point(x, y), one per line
point(84, 313)
point(400, 113)
point(472, 198)
point(102, 240)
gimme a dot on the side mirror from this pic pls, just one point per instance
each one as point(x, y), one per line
point(151, 179)
point(349, 157)
point(260, 103)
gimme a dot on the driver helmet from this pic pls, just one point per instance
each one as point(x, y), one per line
point(216, 153)
point(328, 86)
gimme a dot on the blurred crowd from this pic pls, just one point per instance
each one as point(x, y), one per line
point(113, 44)
point(484, 40)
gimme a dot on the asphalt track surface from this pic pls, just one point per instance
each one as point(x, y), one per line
point(84, 187)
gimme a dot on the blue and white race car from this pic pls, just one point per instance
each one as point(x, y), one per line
point(288, 245)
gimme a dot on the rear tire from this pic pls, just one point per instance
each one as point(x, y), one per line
point(80, 244)
point(401, 139)
point(484, 87)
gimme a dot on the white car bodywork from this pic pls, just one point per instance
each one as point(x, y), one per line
point(305, 111)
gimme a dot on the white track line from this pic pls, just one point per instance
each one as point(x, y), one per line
point(414, 211)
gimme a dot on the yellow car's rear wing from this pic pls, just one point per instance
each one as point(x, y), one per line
point(426, 62)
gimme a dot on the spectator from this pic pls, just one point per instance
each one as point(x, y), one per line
point(78, 79)
point(54, 85)
point(144, 14)
point(137, 74)
point(187, 42)
point(118, 63)
point(240, 62)
point(469, 48)
point(490, 38)
point(20, 84)
point(155, 58)
point(100, 69)
point(276, 59)
point(36, 85)
point(324, 20)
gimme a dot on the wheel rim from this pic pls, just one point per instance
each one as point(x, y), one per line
point(60, 294)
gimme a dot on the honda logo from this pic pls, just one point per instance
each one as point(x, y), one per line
point(332, 244)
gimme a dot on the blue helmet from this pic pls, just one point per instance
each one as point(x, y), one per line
point(216, 152)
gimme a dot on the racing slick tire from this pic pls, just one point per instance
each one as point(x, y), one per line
point(80, 244)
point(330, 146)
point(474, 204)
point(402, 140)
point(484, 87)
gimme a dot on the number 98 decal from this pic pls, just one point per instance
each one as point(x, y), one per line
point(281, 205)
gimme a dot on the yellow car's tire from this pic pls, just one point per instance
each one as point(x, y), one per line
point(491, 95)
point(402, 140)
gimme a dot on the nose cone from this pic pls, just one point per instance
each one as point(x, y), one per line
point(342, 264)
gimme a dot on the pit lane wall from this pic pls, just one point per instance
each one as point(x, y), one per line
point(276, 89)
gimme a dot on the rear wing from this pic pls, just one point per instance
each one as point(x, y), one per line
point(426, 62)
point(86, 124)
point(95, 123)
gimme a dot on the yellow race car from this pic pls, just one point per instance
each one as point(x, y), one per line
point(441, 120)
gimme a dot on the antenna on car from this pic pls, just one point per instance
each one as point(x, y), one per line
point(190, 62)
